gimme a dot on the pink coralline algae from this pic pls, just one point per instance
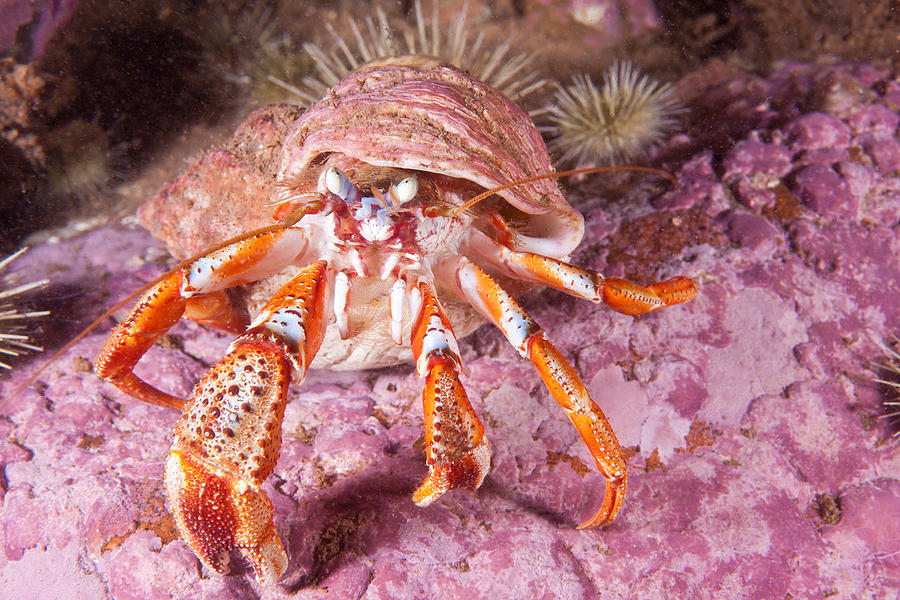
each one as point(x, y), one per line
point(759, 468)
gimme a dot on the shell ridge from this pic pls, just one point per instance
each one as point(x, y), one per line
point(436, 119)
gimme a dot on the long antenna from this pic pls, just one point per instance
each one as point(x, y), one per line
point(470, 203)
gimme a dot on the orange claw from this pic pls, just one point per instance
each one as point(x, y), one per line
point(226, 444)
point(458, 453)
point(228, 438)
point(216, 512)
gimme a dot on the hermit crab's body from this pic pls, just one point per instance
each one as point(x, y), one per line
point(373, 262)
point(458, 136)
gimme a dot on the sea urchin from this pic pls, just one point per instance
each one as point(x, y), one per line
point(616, 122)
point(14, 332)
point(892, 366)
point(497, 66)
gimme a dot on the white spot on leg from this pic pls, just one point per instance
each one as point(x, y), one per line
point(513, 321)
point(437, 339)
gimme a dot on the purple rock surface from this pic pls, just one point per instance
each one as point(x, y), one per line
point(757, 465)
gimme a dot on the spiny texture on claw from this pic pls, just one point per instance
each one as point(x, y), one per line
point(226, 444)
point(458, 454)
point(234, 419)
point(228, 438)
point(217, 512)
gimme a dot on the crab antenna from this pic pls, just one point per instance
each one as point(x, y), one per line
point(262, 230)
point(470, 203)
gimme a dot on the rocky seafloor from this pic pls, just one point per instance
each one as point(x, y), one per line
point(758, 465)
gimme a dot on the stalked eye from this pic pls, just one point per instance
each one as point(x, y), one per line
point(405, 190)
point(337, 183)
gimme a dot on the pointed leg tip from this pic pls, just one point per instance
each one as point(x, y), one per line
point(677, 290)
point(601, 519)
point(612, 504)
point(428, 492)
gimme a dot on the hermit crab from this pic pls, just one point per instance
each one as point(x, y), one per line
point(384, 249)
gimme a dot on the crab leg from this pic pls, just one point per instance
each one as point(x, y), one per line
point(620, 295)
point(194, 291)
point(458, 453)
point(529, 339)
point(228, 439)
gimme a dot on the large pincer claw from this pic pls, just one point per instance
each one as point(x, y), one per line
point(225, 446)
point(217, 512)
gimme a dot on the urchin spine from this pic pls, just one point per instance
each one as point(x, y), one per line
point(377, 39)
point(14, 336)
point(892, 366)
point(617, 121)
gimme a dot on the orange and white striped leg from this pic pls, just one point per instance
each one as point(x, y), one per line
point(228, 439)
point(620, 295)
point(565, 386)
point(457, 451)
point(195, 291)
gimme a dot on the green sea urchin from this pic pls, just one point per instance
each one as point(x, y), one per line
point(14, 330)
point(618, 121)
point(377, 39)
